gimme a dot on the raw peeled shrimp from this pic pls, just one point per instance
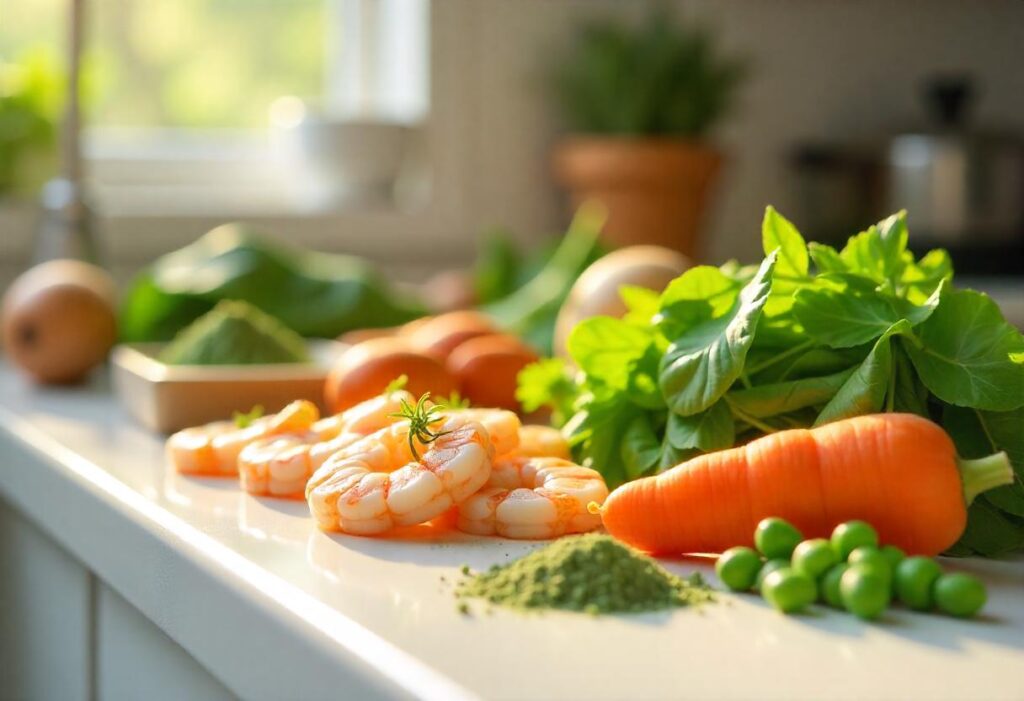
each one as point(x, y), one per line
point(378, 483)
point(213, 449)
point(529, 497)
point(503, 427)
point(541, 442)
point(281, 465)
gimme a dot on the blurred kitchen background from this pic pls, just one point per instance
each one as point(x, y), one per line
point(402, 130)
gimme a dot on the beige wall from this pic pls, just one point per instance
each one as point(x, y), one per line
point(824, 69)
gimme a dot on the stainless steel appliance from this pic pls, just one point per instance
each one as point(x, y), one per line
point(962, 185)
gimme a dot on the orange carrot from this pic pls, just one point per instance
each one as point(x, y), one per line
point(898, 472)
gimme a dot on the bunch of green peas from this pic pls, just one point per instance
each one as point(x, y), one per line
point(849, 571)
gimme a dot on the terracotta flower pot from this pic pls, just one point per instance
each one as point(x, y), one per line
point(656, 190)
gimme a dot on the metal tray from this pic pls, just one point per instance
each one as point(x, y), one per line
point(167, 398)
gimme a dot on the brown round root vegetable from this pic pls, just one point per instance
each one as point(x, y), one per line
point(486, 369)
point(58, 320)
point(596, 292)
point(440, 335)
point(367, 368)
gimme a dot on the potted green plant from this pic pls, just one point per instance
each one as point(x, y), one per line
point(639, 104)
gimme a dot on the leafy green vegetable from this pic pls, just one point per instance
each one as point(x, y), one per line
point(315, 294)
point(709, 430)
point(727, 354)
point(547, 383)
point(964, 353)
point(608, 348)
point(865, 390)
point(778, 398)
point(703, 362)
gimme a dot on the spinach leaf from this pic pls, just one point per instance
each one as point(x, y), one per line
point(827, 259)
point(865, 390)
point(911, 396)
point(698, 295)
point(981, 433)
point(921, 278)
point(989, 531)
point(769, 365)
point(841, 319)
point(768, 400)
point(778, 233)
point(966, 353)
point(605, 348)
point(701, 364)
point(642, 304)
point(880, 252)
point(641, 447)
point(709, 430)
point(595, 433)
point(547, 383)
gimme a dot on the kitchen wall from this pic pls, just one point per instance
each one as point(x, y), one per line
point(823, 70)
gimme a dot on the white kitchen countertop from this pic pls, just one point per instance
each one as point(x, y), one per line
point(275, 609)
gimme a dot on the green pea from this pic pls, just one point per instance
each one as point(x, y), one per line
point(738, 568)
point(814, 557)
point(776, 538)
point(894, 555)
point(958, 594)
point(830, 585)
point(864, 591)
point(869, 556)
point(914, 579)
point(767, 568)
point(851, 535)
point(788, 590)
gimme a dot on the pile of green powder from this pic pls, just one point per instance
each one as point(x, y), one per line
point(235, 333)
point(589, 573)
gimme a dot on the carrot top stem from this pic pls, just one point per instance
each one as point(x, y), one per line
point(981, 474)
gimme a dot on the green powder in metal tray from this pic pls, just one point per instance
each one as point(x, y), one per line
point(590, 573)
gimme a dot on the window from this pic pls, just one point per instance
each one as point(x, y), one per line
point(179, 93)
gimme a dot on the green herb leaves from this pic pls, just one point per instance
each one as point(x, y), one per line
point(703, 362)
point(812, 335)
point(964, 354)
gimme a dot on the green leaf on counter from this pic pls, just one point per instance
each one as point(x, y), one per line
point(315, 294)
point(965, 354)
point(768, 400)
point(701, 364)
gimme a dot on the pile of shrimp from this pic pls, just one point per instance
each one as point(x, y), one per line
point(372, 468)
